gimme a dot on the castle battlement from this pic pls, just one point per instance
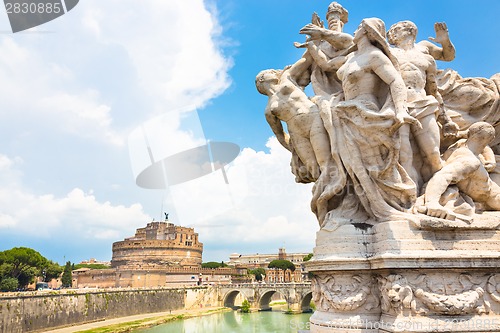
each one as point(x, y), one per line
point(159, 244)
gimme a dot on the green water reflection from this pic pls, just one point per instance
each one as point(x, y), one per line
point(236, 322)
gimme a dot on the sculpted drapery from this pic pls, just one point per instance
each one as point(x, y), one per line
point(372, 137)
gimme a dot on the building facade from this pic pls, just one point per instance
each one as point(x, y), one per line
point(159, 244)
point(158, 255)
point(252, 261)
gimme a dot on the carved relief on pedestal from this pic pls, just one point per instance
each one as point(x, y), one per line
point(464, 303)
point(443, 294)
point(344, 293)
point(493, 287)
point(396, 294)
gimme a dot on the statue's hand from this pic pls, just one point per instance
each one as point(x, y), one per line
point(404, 118)
point(316, 20)
point(300, 45)
point(490, 166)
point(288, 142)
point(313, 31)
point(450, 130)
point(434, 209)
point(441, 33)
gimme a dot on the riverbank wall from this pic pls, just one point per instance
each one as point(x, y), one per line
point(39, 311)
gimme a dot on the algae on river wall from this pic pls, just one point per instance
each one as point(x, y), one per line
point(31, 312)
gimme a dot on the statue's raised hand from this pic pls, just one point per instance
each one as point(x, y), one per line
point(441, 33)
point(314, 32)
point(300, 45)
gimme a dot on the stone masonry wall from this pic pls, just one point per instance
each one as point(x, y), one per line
point(32, 312)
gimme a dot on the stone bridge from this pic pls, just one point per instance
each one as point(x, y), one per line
point(297, 295)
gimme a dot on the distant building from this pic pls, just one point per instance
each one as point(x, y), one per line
point(159, 244)
point(93, 261)
point(252, 261)
point(158, 255)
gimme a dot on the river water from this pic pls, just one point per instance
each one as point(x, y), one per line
point(236, 322)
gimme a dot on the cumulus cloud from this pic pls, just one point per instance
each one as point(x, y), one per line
point(101, 74)
point(75, 81)
point(46, 216)
point(174, 50)
point(261, 207)
point(32, 92)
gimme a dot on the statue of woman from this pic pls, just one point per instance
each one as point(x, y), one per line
point(372, 124)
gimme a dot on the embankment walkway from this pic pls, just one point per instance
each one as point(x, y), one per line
point(156, 318)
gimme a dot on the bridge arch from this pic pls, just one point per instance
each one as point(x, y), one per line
point(305, 303)
point(230, 298)
point(265, 299)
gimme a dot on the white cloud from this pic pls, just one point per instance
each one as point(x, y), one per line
point(47, 216)
point(82, 115)
point(101, 74)
point(100, 56)
point(40, 93)
point(261, 206)
point(174, 49)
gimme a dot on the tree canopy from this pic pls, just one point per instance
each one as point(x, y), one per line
point(51, 271)
point(91, 266)
point(258, 272)
point(308, 257)
point(282, 264)
point(22, 265)
point(67, 277)
point(213, 264)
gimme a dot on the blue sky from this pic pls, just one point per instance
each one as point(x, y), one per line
point(75, 90)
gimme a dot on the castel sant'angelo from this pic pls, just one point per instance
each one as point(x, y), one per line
point(158, 255)
point(159, 244)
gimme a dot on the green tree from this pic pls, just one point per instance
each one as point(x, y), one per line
point(308, 257)
point(22, 264)
point(67, 278)
point(258, 272)
point(8, 284)
point(245, 306)
point(213, 264)
point(28, 276)
point(5, 269)
point(282, 264)
point(91, 266)
point(51, 271)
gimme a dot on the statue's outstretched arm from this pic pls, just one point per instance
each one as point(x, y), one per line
point(278, 130)
point(320, 57)
point(445, 52)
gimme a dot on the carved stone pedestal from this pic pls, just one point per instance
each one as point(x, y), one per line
point(425, 275)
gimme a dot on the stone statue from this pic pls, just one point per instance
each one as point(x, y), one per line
point(357, 143)
point(368, 119)
point(418, 70)
point(402, 157)
point(287, 102)
point(469, 100)
point(446, 51)
point(332, 42)
point(307, 138)
point(365, 124)
point(464, 168)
